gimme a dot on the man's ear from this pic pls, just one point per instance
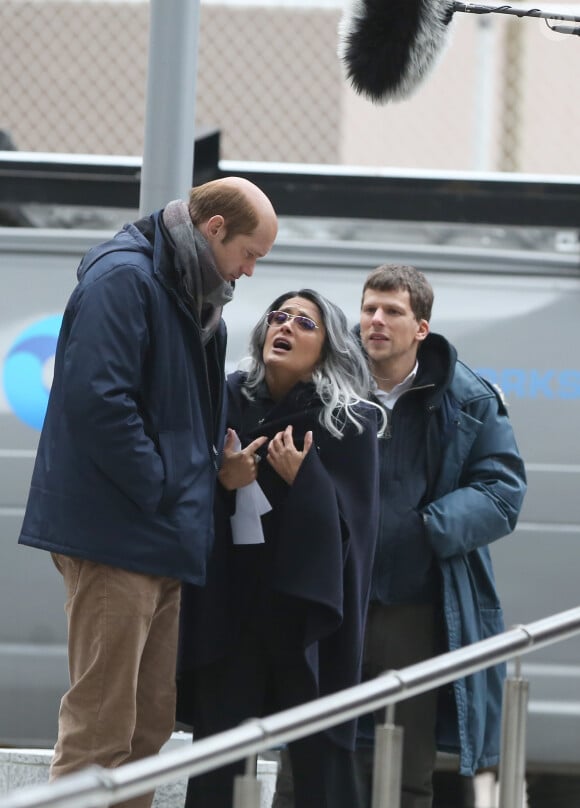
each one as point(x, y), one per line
point(214, 227)
point(422, 330)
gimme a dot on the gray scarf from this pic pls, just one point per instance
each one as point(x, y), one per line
point(205, 288)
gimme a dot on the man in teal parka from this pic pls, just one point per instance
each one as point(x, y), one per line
point(452, 482)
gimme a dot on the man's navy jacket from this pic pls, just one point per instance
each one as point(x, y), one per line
point(126, 464)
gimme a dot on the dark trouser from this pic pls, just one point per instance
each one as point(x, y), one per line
point(395, 637)
point(250, 684)
point(553, 790)
point(398, 636)
point(451, 790)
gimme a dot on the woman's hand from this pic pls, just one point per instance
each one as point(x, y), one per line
point(283, 455)
point(239, 468)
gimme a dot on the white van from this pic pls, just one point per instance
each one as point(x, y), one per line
point(510, 302)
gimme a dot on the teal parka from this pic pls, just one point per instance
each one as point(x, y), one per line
point(477, 492)
point(475, 484)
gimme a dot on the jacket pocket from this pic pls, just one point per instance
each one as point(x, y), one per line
point(181, 459)
point(491, 622)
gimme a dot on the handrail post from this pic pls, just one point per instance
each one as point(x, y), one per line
point(512, 766)
point(388, 761)
point(247, 787)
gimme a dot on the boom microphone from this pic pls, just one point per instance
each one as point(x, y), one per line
point(387, 47)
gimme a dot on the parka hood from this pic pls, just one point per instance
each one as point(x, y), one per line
point(437, 359)
point(128, 239)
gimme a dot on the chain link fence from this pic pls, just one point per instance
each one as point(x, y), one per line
point(503, 96)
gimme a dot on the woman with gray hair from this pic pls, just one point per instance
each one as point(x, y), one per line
point(280, 621)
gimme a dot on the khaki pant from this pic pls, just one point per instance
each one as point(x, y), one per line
point(122, 646)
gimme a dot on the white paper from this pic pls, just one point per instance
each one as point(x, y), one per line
point(251, 503)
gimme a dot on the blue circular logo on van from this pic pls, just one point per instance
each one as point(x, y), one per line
point(28, 369)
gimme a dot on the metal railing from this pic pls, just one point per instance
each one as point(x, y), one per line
point(95, 786)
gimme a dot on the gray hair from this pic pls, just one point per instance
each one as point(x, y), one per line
point(342, 379)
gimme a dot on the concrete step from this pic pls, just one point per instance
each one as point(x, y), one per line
point(25, 767)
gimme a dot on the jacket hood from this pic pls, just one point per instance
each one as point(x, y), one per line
point(150, 237)
point(129, 239)
point(437, 359)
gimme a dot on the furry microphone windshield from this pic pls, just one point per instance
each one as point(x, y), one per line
point(388, 46)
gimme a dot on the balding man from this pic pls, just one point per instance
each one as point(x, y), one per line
point(122, 488)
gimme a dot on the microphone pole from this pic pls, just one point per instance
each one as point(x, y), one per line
point(387, 47)
point(474, 8)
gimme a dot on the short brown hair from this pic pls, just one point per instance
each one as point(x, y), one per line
point(217, 198)
point(394, 277)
